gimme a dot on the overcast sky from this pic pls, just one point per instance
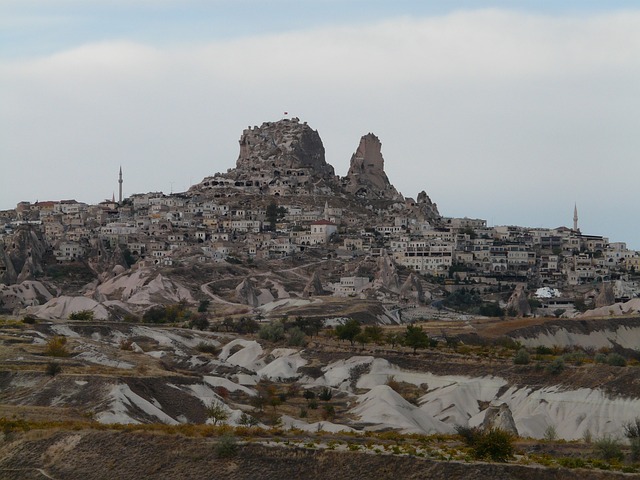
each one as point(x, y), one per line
point(502, 113)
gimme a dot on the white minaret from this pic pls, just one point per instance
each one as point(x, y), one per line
point(575, 217)
point(120, 187)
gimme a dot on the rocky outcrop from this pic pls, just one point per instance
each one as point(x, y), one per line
point(247, 293)
point(313, 287)
point(279, 158)
point(387, 275)
point(518, 302)
point(427, 208)
point(15, 297)
point(605, 296)
point(412, 289)
point(366, 177)
point(21, 256)
point(499, 417)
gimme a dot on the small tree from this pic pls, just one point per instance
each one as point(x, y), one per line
point(216, 412)
point(416, 338)
point(349, 330)
point(203, 306)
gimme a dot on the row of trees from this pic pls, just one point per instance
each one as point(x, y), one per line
point(413, 337)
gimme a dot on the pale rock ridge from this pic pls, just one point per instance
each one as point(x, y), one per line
point(366, 177)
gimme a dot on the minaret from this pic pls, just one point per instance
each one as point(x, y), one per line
point(120, 188)
point(575, 217)
point(326, 210)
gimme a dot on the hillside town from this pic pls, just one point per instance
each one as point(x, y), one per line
point(283, 200)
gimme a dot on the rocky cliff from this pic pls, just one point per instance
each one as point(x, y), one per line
point(366, 177)
point(284, 158)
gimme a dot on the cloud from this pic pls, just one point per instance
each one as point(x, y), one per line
point(501, 115)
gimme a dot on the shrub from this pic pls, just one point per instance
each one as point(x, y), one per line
point(542, 350)
point(296, 337)
point(273, 332)
point(203, 306)
point(550, 433)
point(493, 444)
point(227, 446)
point(328, 412)
point(632, 429)
point(57, 347)
point(313, 404)
point(556, 366)
point(206, 347)
point(247, 420)
point(309, 394)
point(521, 357)
point(29, 319)
point(126, 344)
point(200, 322)
point(572, 462)
point(81, 315)
point(53, 368)
point(616, 360)
point(635, 449)
point(600, 358)
point(325, 395)
point(216, 412)
point(608, 448)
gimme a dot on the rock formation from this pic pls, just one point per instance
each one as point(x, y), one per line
point(605, 296)
point(499, 417)
point(387, 275)
point(428, 208)
point(366, 177)
point(412, 289)
point(519, 303)
point(284, 158)
point(247, 294)
point(22, 255)
point(313, 287)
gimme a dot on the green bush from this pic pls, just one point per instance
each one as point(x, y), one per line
point(600, 358)
point(556, 366)
point(542, 350)
point(325, 394)
point(616, 360)
point(572, 462)
point(493, 444)
point(609, 449)
point(273, 331)
point(296, 337)
point(81, 315)
point(206, 347)
point(521, 357)
point(227, 446)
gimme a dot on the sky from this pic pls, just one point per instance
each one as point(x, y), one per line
point(508, 111)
